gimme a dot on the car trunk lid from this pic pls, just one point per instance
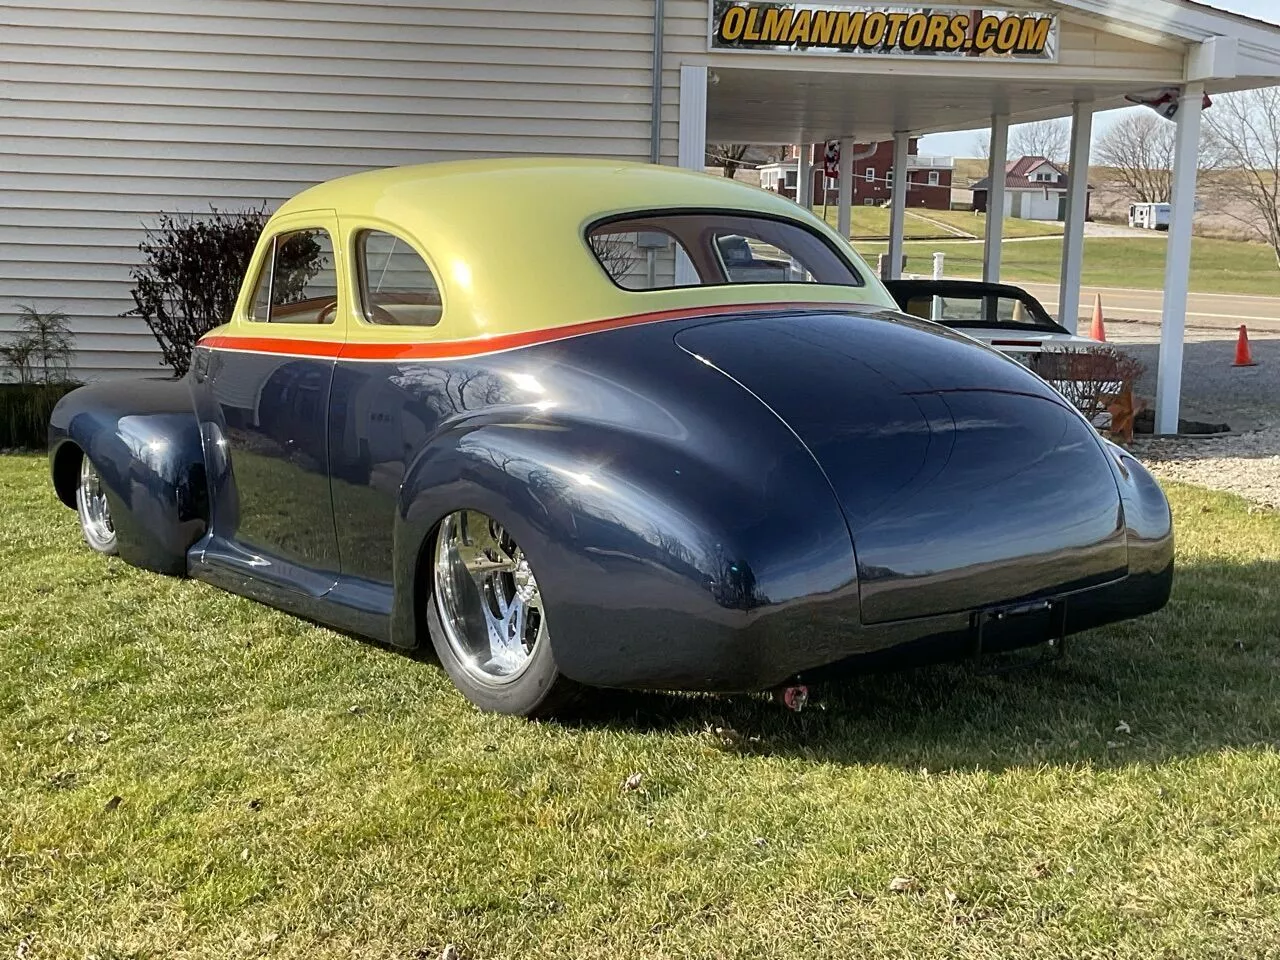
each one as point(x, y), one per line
point(966, 481)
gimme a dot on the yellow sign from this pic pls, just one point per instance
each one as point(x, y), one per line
point(883, 30)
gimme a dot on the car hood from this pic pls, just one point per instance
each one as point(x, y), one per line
point(965, 480)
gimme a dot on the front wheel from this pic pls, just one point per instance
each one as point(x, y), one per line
point(487, 619)
point(94, 512)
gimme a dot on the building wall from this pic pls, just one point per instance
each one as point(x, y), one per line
point(117, 110)
point(877, 190)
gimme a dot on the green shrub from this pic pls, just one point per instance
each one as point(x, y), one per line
point(190, 276)
point(24, 413)
point(41, 350)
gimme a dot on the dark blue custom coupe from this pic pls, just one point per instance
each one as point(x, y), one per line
point(583, 424)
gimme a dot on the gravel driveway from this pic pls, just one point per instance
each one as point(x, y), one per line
point(1247, 464)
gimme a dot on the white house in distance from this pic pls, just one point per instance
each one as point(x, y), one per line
point(1034, 189)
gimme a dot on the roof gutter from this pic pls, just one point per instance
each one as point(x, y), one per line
point(655, 121)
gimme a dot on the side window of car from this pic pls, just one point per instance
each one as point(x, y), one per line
point(298, 282)
point(396, 285)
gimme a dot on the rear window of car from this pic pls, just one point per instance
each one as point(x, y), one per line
point(660, 251)
point(979, 310)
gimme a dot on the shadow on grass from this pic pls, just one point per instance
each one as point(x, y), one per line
point(1195, 678)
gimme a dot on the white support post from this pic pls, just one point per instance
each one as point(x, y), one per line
point(844, 209)
point(804, 176)
point(692, 151)
point(1177, 263)
point(995, 199)
point(898, 204)
point(1077, 209)
point(939, 272)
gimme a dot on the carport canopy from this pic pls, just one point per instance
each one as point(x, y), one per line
point(1099, 52)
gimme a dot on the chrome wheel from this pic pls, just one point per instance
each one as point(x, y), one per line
point(95, 514)
point(488, 600)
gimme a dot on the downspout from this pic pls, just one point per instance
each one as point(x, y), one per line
point(866, 153)
point(655, 122)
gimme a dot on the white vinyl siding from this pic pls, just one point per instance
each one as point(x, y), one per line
point(117, 110)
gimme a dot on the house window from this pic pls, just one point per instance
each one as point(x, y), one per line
point(868, 202)
point(871, 174)
point(1044, 178)
point(934, 178)
point(888, 177)
point(791, 178)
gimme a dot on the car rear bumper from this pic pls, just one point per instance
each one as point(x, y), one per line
point(812, 641)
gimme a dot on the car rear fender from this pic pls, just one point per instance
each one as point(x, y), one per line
point(143, 438)
point(653, 557)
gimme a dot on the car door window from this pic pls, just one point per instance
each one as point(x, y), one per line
point(298, 282)
point(396, 286)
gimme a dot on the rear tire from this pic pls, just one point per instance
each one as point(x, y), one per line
point(94, 511)
point(486, 620)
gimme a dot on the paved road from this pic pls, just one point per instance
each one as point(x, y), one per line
point(1209, 311)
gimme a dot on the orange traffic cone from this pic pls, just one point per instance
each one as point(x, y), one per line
point(1098, 331)
point(1244, 357)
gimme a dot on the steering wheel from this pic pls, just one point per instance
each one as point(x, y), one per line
point(327, 312)
point(383, 316)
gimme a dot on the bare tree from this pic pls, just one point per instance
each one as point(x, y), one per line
point(727, 156)
point(1050, 139)
point(1244, 133)
point(1137, 152)
point(982, 144)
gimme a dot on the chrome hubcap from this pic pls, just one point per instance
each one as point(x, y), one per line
point(95, 515)
point(487, 597)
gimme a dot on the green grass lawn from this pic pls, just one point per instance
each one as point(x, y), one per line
point(1217, 266)
point(188, 774)
point(977, 225)
point(874, 222)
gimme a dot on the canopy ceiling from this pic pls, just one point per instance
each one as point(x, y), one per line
point(1110, 48)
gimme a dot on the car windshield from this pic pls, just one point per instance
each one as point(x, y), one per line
point(661, 251)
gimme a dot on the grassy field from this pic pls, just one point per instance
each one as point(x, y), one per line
point(188, 774)
point(1217, 266)
point(874, 222)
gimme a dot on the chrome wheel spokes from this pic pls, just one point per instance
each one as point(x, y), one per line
point(91, 503)
point(487, 597)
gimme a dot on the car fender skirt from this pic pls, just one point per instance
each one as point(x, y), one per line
point(144, 440)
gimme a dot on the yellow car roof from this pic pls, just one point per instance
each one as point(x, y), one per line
point(506, 238)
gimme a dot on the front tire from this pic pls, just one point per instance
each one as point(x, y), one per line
point(487, 620)
point(94, 511)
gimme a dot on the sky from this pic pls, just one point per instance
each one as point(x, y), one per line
point(964, 144)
